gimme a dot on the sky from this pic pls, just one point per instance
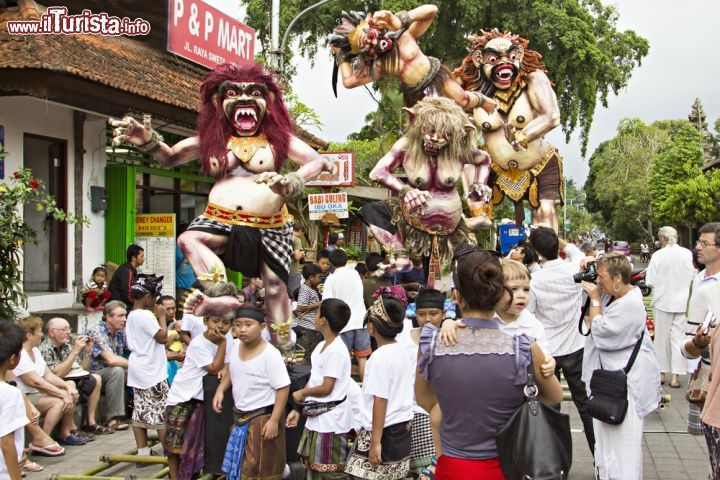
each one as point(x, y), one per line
point(682, 65)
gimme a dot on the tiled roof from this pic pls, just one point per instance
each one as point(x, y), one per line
point(119, 62)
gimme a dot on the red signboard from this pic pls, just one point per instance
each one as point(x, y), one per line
point(205, 35)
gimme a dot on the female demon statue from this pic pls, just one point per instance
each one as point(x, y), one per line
point(367, 47)
point(524, 165)
point(244, 137)
point(437, 151)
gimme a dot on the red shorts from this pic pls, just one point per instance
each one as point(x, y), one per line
point(449, 468)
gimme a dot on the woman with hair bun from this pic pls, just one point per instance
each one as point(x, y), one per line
point(486, 364)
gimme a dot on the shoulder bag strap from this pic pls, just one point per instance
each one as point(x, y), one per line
point(634, 353)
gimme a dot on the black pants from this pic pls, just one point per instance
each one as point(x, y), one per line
point(571, 367)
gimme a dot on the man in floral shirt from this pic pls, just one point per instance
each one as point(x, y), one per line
point(108, 361)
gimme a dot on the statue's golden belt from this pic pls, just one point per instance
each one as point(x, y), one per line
point(515, 182)
point(248, 219)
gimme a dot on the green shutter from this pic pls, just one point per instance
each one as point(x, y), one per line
point(120, 213)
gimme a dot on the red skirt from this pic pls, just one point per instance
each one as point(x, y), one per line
point(449, 468)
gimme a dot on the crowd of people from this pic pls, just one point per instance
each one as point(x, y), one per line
point(233, 402)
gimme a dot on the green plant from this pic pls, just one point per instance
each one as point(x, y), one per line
point(353, 252)
point(18, 190)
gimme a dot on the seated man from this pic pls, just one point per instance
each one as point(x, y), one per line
point(52, 397)
point(71, 363)
point(108, 362)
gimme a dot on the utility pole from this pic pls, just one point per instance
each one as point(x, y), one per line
point(278, 52)
point(275, 52)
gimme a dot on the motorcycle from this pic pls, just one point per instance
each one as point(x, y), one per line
point(637, 278)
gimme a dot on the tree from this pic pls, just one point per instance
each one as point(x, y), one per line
point(586, 55)
point(678, 162)
point(617, 186)
point(20, 189)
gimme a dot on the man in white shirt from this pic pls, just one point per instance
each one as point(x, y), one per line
point(345, 283)
point(670, 274)
point(556, 300)
point(708, 252)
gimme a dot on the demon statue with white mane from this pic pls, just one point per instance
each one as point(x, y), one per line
point(437, 152)
point(368, 47)
point(244, 137)
point(524, 165)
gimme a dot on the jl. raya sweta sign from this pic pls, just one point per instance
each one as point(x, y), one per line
point(207, 36)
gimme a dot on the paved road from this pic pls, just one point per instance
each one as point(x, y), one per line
point(669, 452)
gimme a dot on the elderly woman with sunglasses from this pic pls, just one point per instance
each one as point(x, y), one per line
point(486, 364)
point(616, 318)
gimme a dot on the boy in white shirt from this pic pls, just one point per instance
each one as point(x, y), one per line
point(183, 419)
point(325, 398)
point(146, 336)
point(260, 386)
point(382, 446)
point(12, 405)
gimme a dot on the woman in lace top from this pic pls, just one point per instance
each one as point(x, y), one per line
point(487, 365)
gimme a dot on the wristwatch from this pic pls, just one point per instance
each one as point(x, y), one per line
point(595, 303)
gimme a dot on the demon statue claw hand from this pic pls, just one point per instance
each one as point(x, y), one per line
point(368, 47)
point(524, 165)
point(437, 152)
point(244, 137)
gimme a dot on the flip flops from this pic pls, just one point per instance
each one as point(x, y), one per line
point(31, 467)
point(53, 450)
point(98, 429)
point(118, 425)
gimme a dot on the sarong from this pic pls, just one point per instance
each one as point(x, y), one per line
point(541, 182)
point(422, 449)
point(176, 420)
point(149, 406)
point(323, 452)
point(249, 247)
point(396, 441)
point(259, 459)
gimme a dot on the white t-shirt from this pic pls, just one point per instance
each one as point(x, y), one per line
point(333, 362)
point(26, 365)
point(411, 348)
point(388, 374)
point(14, 418)
point(529, 325)
point(147, 365)
point(188, 382)
point(345, 284)
point(192, 324)
point(254, 381)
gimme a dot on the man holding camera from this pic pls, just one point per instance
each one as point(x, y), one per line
point(556, 300)
point(71, 362)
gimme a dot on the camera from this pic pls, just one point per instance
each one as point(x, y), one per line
point(589, 275)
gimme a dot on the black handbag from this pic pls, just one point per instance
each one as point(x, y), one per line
point(608, 391)
point(536, 442)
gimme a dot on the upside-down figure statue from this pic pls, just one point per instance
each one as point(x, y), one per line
point(244, 137)
point(524, 165)
point(368, 47)
point(437, 151)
